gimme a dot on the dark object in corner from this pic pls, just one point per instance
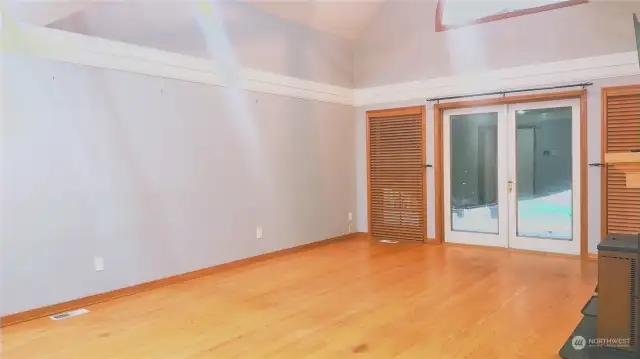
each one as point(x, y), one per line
point(591, 307)
point(618, 289)
point(612, 312)
point(636, 25)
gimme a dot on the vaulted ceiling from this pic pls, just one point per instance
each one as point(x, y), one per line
point(346, 19)
point(41, 13)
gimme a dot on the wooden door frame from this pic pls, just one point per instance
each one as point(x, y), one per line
point(400, 111)
point(606, 92)
point(438, 118)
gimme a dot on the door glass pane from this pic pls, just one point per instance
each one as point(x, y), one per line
point(474, 172)
point(543, 170)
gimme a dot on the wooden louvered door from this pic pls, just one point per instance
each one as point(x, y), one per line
point(396, 174)
point(621, 133)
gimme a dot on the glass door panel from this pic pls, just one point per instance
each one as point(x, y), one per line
point(544, 180)
point(475, 172)
point(544, 164)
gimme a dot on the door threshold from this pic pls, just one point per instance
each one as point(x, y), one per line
point(514, 250)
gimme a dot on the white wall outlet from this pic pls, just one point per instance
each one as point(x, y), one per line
point(98, 263)
point(259, 232)
point(349, 227)
point(350, 216)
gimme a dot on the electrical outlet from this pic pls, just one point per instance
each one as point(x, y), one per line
point(259, 232)
point(349, 227)
point(98, 263)
point(350, 216)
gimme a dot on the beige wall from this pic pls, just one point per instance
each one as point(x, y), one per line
point(401, 44)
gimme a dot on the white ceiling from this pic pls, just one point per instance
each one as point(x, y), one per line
point(346, 18)
point(42, 12)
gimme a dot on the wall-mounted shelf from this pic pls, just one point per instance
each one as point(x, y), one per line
point(627, 162)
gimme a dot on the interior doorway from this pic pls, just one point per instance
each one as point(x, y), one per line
point(512, 175)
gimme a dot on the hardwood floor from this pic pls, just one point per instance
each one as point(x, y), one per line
point(354, 298)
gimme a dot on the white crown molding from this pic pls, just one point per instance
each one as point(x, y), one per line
point(545, 74)
point(53, 44)
point(92, 51)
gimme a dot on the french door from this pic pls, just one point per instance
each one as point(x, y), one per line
point(512, 176)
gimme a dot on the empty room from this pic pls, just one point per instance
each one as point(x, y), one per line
point(199, 179)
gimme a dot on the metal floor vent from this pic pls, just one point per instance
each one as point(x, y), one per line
point(388, 241)
point(73, 313)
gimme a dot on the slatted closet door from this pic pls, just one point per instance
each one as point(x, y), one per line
point(622, 134)
point(396, 168)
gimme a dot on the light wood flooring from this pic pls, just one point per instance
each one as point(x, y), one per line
point(350, 299)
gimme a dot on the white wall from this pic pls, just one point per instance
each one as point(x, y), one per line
point(401, 44)
point(231, 32)
point(158, 176)
point(163, 176)
point(593, 156)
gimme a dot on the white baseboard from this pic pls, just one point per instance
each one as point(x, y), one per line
point(92, 51)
